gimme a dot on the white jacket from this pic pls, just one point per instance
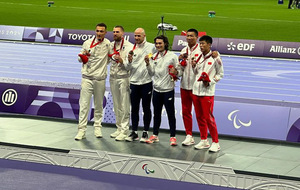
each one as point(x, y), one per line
point(214, 69)
point(186, 73)
point(96, 67)
point(158, 68)
point(138, 71)
point(117, 70)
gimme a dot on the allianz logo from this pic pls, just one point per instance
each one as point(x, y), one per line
point(282, 49)
point(9, 97)
point(240, 46)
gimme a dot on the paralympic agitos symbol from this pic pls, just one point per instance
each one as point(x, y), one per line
point(235, 120)
point(148, 171)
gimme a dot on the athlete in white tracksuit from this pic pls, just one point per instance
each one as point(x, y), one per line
point(208, 71)
point(158, 66)
point(140, 84)
point(119, 82)
point(94, 73)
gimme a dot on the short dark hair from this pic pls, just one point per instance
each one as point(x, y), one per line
point(119, 26)
point(102, 25)
point(207, 39)
point(165, 39)
point(193, 30)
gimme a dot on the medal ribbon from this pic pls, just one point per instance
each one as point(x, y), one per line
point(204, 58)
point(93, 45)
point(122, 43)
point(187, 49)
point(161, 56)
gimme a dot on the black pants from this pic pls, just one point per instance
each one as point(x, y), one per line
point(137, 93)
point(166, 99)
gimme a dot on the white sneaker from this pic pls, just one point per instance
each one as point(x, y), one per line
point(189, 140)
point(215, 147)
point(80, 135)
point(98, 132)
point(115, 134)
point(202, 144)
point(121, 137)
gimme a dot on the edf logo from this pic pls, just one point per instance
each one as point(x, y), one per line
point(9, 97)
point(240, 46)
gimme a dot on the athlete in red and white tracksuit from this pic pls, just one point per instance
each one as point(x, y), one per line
point(187, 54)
point(211, 71)
point(186, 85)
point(94, 73)
point(119, 82)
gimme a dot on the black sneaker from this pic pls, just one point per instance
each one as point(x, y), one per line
point(132, 137)
point(144, 137)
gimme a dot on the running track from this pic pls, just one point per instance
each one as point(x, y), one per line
point(245, 77)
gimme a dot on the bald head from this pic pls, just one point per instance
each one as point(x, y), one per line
point(139, 35)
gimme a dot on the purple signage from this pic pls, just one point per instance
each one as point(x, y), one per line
point(241, 47)
point(79, 36)
point(293, 133)
point(237, 119)
point(248, 47)
point(13, 97)
point(76, 36)
point(282, 49)
point(11, 32)
point(252, 120)
point(179, 43)
point(50, 35)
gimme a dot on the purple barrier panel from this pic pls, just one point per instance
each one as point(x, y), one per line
point(109, 116)
point(38, 34)
point(252, 120)
point(52, 102)
point(108, 111)
point(282, 49)
point(241, 47)
point(11, 32)
point(79, 36)
point(293, 133)
point(179, 42)
point(13, 97)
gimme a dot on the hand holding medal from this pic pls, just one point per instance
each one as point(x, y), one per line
point(130, 56)
point(147, 58)
point(182, 59)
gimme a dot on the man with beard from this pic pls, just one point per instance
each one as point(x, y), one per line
point(119, 82)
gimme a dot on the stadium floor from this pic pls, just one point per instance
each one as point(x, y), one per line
point(245, 78)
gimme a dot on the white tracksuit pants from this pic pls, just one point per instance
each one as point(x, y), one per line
point(89, 88)
point(120, 90)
